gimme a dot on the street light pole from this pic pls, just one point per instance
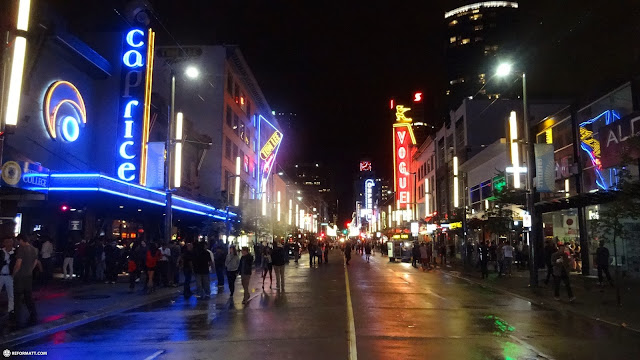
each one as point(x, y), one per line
point(168, 218)
point(533, 266)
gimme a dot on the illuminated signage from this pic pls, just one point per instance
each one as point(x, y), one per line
point(615, 140)
point(365, 165)
point(270, 145)
point(135, 98)
point(417, 97)
point(368, 193)
point(64, 111)
point(403, 140)
point(269, 150)
point(590, 144)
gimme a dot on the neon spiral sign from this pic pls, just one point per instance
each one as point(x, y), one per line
point(64, 111)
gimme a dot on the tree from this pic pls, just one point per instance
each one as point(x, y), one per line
point(622, 208)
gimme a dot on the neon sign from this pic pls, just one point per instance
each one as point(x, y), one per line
point(417, 97)
point(590, 145)
point(403, 139)
point(368, 193)
point(365, 165)
point(270, 145)
point(64, 111)
point(269, 150)
point(135, 99)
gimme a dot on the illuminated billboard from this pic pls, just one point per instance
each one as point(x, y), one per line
point(365, 165)
point(268, 150)
point(403, 141)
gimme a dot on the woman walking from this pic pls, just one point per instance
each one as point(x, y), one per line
point(267, 266)
point(231, 265)
point(153, 255)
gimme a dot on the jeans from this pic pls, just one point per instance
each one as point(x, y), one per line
point(220, 275)
point(507, 265)
point(605, 269)
point(47, 267)
point(6, 281)
point(245, 286)
point(22, 289)
point(163, 269)
point(556, 285)
point(203, 284)
point(100, 269)
point(67, 263)
point(231, 280)
point(187, 281)
point(484, 269)
point(279, 276)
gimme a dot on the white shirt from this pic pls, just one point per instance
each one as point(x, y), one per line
point(166, 253)
point(7, 256)
point(47, 250)
point(508, 251)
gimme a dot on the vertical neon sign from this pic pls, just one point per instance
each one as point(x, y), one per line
point(135, 99)
point(403, 140)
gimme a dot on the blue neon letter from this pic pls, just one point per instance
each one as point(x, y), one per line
point(123, 150)
point(137, 59)
point(127, 108)
point(123, 168)
point(130, 39)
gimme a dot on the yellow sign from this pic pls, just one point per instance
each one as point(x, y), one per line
point(455, 225)
point(271, 145)
point(400, 117)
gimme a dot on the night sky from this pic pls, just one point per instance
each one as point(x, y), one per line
point(336, 64)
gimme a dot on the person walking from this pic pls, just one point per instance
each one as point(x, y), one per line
point(367, 251)
point(347, 252)
point(561, 268)
point(132, 269)
point(267, 266)
point(231, 264)
point(220, 259)
point(100, 260)
point(67, 264)
point(7, 263)
point(483, 253)
point(312, 253)
point(423, 255)
point(112, 256)
point(415, 255)
point(278, 258)
point(296, 251)
point(174, 270)
point(202, 260)
point(186, 263)
point(319, 253)
point(326, 253)
point(507, 258)
point(151, 262)
point(500, 260)
point(163, 264)
point(46, 254)
point(549, 250)
point(245, 269)
point(286, 246)
point(602, 262)
point(26, 262)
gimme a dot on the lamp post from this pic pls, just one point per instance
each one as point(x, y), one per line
point(503, 70)
point(191, 73)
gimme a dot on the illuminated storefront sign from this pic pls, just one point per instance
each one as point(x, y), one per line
point(135, 99)
point(615, 140)
point(268, 151)
point(403, 140)
point(590, 144)
point(368, 193)
point(365, 165)
point(64, 111)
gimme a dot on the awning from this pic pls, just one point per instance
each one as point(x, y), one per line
point(97, 183)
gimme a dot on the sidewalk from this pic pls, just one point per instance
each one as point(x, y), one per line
point(592, 301)
point(65, 304)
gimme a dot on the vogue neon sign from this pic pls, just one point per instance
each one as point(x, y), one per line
point(403, 139)
point(64, 111)
point(133, 127)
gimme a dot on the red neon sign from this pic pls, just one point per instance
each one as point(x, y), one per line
point(417, 97)
point(391, 104)
point(402, 139)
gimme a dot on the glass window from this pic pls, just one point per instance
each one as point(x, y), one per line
point(229, 116)
point(465, 41)
point(452, 39)
point(453, 23)
point(229, 83)
point(236, 124)
point(227, 148)
point(243, 102)
point(235, 152)
point(475, 194)
point(478, 27)
point(236, 93)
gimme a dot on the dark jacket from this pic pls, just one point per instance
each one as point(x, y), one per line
point(560, 263)
point(201, 260)
point(602, 256)
point(246, 262)
point(277, 256)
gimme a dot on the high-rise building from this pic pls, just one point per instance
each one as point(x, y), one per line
point(479, 34)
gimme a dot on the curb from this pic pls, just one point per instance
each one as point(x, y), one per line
point(38, 331)
point(545, 305)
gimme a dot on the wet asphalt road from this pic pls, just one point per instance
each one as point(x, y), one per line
point(398, 313)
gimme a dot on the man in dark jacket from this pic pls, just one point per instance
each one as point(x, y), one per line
point(347, 252)
point(220, 256)
point(245, 268)
point(549, 249)
point(483, 254)
point(186, 263)
point(312, 253)
point(602, 262)
point(201, 263)
point(278, 261)
point(560, 261)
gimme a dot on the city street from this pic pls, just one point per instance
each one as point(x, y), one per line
point(398, 313)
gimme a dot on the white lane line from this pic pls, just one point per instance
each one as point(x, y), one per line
point(530, 347)
point(154, 355)
point(351, 340)
point(436, 295)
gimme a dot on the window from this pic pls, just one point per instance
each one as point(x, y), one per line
point(235, 152)
point(482, 78)
point(242, 131)
point(478, 38)
point(227, 148)
point(252, 168)
point(247, 135)
point(236, 93)
point(226, 180)
point(236, 124)
point(230, 83)
point(465, 41)
point(243, 102)
point(452, 39)
point(478, 27)
point(453, 23)
point(475, 17)
point(229, 115)
point(248, 111)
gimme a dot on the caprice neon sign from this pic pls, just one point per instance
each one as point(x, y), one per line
point(133, 124)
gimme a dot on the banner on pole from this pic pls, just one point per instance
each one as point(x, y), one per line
point(545, 168)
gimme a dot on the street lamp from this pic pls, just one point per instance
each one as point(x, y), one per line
point(504, 70)
point(192, 72)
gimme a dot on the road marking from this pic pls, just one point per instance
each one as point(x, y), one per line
point(436, 295)
point(351, 340)
point(530, 347)
point(155, 355)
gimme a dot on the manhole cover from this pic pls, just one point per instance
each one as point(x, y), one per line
point(91, 297)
